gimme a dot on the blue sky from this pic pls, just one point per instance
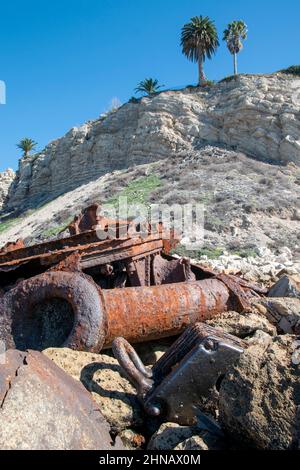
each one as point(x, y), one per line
point(64, 60)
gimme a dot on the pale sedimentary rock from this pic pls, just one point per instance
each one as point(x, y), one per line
point(258, 115)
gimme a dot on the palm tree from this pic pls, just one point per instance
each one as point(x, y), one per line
point(148, 86)
point(199, 40)
point(233, 35)
point(26, 145)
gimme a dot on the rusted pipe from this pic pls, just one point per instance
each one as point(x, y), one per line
point(146, 313)
point(138, 313)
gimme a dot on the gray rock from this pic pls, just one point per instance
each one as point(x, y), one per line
point(283, 312)
point(287, 286)
point(6, 179)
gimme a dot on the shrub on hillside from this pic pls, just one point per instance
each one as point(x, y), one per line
point(293, 70)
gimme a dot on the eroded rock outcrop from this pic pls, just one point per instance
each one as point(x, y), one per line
point(6, 178)
point(256, 114)
point(260, 396)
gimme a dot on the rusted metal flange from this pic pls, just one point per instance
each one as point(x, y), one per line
point(23, 325)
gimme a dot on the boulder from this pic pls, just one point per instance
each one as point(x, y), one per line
point(101, 375)
point(283, 312)
point(259, 398)
point(131, 439)
point(43, 408)
point(151, 351)
point(287, 286)
point(242, 324)
point(172, 436)
point(193, 443)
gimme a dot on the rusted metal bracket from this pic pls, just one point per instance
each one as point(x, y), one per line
point(190, 371)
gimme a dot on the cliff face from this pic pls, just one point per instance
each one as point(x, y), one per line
point(259, 115)
point(6, 178)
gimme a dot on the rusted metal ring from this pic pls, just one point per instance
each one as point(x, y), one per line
point(90, 324)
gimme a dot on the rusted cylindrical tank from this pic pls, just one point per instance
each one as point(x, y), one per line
point(145, 313)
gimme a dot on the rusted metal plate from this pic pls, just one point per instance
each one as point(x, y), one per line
point(186, 376)
point(166, 271)
point(12, 246)
point(87, 244)
point(43, 408)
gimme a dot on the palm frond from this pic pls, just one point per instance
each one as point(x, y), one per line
point(199, 38)
point(148, 86)
point(26, 145)
point(234, 34)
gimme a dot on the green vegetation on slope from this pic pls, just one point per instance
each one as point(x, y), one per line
point(137, 191)
point(212, 253)
point(8, 224)
point(54, 231)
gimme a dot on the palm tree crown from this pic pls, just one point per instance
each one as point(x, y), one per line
point(233, 35)
point(26, 145)
point(148, 86)
point(199, 40)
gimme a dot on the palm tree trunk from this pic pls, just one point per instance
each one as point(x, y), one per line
point(202, 76)
point(235, 63)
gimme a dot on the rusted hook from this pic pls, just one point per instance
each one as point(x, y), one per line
point(132, 365)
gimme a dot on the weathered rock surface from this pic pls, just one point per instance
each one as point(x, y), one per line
point(245, 212)
point(287, 286)
point(43, 408)
point(172, 436)
point(132, 440)
point(6, 179)
point(258, 115)
point(283, 312)
point(151, 351)
point(260, 395)
point(265, 265)
point(101, 375)
point(242, 325)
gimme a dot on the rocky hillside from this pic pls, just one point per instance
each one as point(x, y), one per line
point(251, 207)
point(155, 150)
point(258, 115)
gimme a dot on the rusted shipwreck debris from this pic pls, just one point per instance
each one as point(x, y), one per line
point(82, 292)
point(190, 371)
